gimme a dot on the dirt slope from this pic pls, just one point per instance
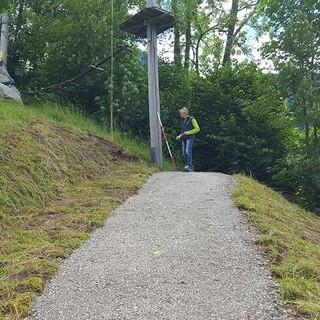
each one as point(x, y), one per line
point(56, 186)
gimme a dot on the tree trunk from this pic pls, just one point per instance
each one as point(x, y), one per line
point(188, 46)
point(19, 24)
point(198, 56)
point(177, 46)
point(307, 127)
point(316, 137)
point(307, 133)
point(231, 30)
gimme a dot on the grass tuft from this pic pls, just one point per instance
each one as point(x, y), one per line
point(291, 237)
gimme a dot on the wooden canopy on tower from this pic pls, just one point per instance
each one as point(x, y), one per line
point(137, 24)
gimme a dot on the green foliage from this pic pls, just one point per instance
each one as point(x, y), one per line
point(3, 5)
point(74, 39)
point(299, 178)
point(243, 113)
point(246, 125)
point(245, 122)
point(295, 30)
point(294, 47)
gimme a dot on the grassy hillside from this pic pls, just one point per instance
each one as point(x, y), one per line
point(60, 177)
point(291, 237)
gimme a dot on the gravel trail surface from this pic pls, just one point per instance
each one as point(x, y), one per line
point(178, 250)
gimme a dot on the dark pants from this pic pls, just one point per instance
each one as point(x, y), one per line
point(187, 151)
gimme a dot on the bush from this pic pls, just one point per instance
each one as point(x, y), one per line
point(299, 178)
point(245, 122)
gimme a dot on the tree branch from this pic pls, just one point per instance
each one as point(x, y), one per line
point(246, 20)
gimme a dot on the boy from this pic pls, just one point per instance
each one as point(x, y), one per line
point(189, 128)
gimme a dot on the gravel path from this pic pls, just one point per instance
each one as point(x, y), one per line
point(179, 250)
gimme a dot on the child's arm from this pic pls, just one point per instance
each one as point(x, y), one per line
point(196, 128)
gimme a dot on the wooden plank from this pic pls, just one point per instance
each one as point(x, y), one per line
point(137, 24)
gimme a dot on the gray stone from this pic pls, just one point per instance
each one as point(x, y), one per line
point(7, 89)
point(5, 77)
point(10, 93)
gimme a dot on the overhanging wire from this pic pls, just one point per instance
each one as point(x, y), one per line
point(84, 73)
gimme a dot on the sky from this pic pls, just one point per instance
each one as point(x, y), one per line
point(254, 42)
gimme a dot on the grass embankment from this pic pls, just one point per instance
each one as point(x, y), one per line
point(60, 176)
point(292, 239)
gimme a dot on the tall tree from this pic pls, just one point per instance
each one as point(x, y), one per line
point(295, 50)
point(235, 24)
point(233, 18)
point(188, 22)
point(205, 39)
point(188, 45)
point(188, 13)
point(177, 43)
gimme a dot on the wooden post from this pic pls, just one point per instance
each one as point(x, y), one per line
point(154, 96)
point(4, 40)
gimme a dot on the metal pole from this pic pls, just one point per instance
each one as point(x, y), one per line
point(154, 96)
point(4, 40)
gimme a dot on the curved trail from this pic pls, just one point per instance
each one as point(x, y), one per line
point(179, 250)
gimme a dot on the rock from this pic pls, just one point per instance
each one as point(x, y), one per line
point(5, 77)
point(10, 92)
point(7, 89)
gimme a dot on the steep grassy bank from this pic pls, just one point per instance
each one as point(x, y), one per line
point(60, 176)
point(291, 237)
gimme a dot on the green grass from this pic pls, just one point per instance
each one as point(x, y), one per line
point(12, 114)
point(60, 177)
point(291, 237)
